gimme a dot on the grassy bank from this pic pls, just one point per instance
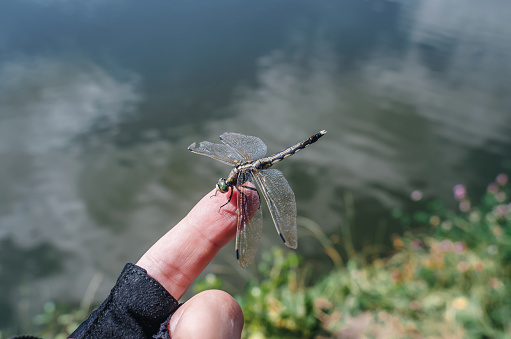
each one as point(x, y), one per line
point(449, 277)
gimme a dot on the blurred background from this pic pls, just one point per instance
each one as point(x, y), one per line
point(100, 99)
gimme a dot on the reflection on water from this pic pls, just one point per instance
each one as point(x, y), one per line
point(98, 103)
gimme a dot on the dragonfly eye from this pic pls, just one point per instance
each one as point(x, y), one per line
point(222, 185)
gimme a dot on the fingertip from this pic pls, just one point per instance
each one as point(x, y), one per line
point(209, 314)
point(180, 255)
point(214, 217)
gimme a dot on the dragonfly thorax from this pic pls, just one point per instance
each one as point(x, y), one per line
point(240, 171)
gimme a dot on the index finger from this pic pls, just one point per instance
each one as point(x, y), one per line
point(178, 257)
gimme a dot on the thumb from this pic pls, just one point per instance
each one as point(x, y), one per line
point(208, 315)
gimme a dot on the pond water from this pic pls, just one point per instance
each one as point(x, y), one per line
point(100, 99)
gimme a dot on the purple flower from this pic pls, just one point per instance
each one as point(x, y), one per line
point(501, 179)
point(464, 206)
point(459, 247)
point(460, 192)
point(446, 245)
point(493, 188)
point(501, 210)
point(416, 195)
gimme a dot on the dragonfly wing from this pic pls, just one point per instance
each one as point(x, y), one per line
point(250, 148)
point(221, 152)
point(250, 220)
point(281, 203)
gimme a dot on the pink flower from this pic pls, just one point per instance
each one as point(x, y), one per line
point(460, 192)
point(501, 179)
point(464, 206)
point(493, 188)
point(416, 195)
point(501, 210)
point(459, 247)
point(446, 245)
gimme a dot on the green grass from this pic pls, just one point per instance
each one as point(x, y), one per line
point(448, 276)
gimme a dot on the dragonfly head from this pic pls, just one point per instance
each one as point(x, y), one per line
point(222, 185)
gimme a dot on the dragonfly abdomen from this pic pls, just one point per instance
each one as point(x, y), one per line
point(279, 156)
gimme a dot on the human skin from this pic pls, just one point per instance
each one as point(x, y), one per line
point(178, 257)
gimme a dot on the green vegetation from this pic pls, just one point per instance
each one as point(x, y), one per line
point(58, 321)
point(449, 278)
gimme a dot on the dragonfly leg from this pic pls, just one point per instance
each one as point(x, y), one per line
point(244, 207)
point(228, 200)
point(254, 189)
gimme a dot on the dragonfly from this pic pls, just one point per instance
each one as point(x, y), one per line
point(246, 155)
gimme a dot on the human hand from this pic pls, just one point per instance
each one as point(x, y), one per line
point(182, 254)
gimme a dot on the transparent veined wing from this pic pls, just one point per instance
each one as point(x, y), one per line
point(281, 203)
point(221, 152)
point(250, 220)
point(250, 148)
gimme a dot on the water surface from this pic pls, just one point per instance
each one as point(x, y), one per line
point(99, 100)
